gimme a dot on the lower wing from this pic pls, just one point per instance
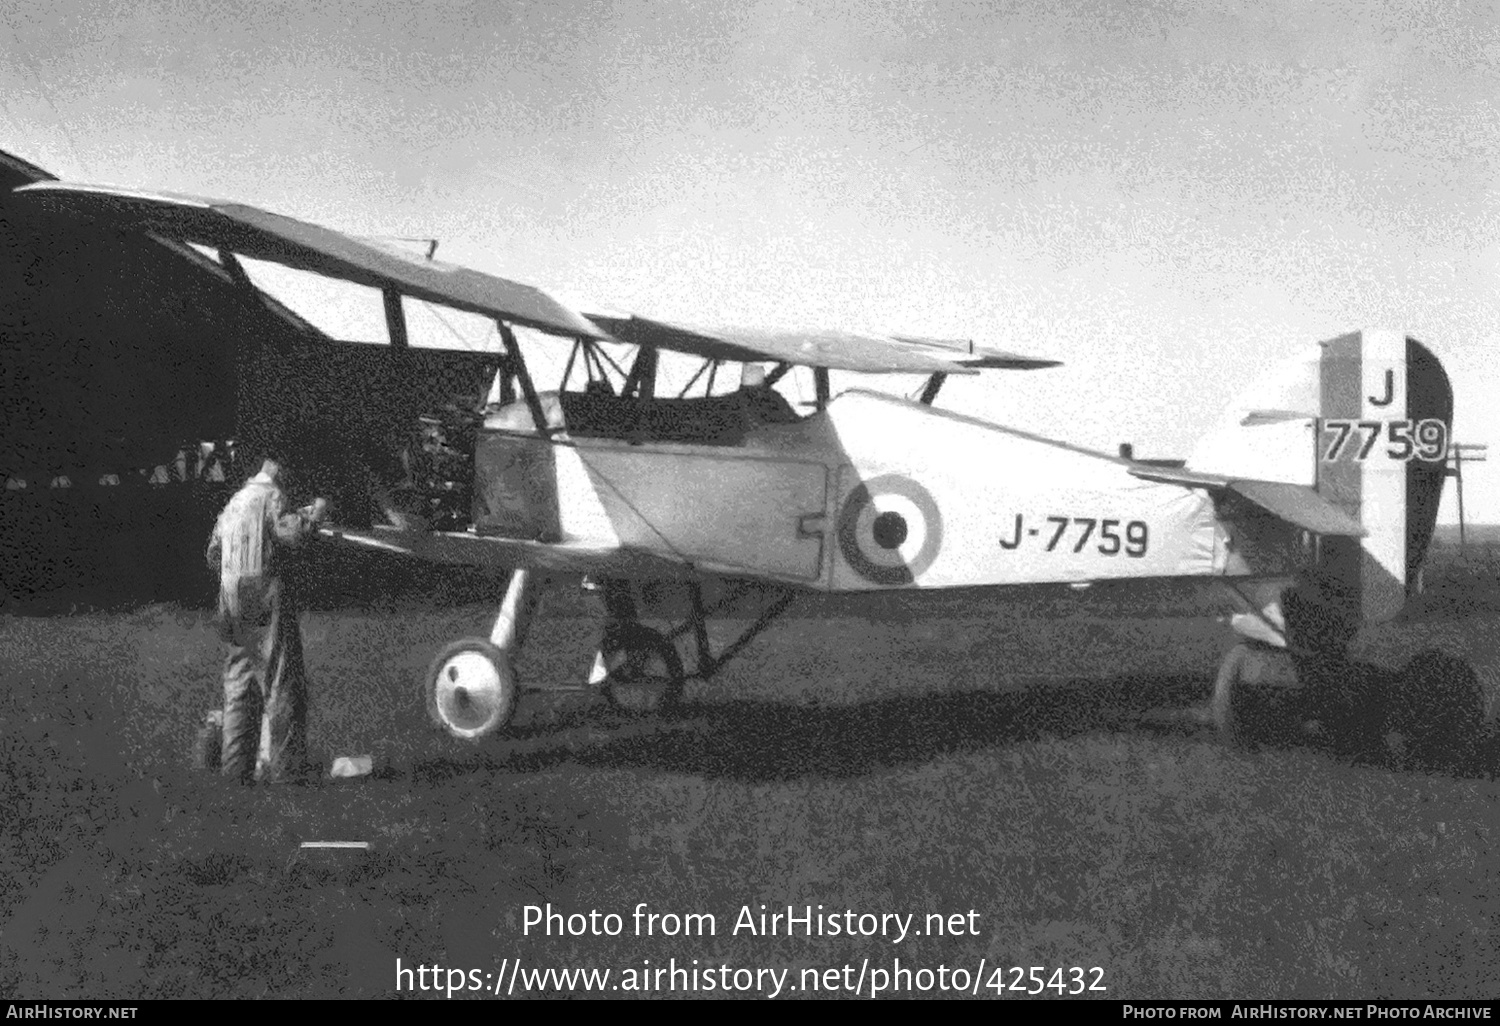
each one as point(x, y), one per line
point(469, 549)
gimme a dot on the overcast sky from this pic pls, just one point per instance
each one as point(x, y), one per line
point(1166, 196)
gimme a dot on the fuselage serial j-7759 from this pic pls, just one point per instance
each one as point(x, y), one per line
point(1321, 481)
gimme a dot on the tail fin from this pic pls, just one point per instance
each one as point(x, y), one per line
point(1364, 418)
point(1386, 410)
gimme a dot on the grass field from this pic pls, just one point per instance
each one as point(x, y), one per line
point(1027, 762)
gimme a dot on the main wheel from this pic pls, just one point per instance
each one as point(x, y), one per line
point(471, 689)
point(644, 671)
point(1246, 678)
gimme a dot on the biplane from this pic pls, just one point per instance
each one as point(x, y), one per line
point(1312, 501)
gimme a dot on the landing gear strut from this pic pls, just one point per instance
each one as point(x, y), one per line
point(1315, 625)
point(472, 687)
point(1248, 671)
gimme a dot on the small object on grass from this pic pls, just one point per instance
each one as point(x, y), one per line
point(208, 744)
point(352, 766)
point(320, 856)
point(337, 845)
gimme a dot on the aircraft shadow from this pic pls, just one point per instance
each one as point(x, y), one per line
point(1427, 715)
point(767, 742)
point(762, 741)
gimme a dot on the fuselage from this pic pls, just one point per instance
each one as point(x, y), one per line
point(872, 493)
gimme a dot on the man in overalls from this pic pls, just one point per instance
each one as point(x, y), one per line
point(254, 547)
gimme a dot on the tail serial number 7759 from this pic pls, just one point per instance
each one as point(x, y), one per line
point(1106, 537)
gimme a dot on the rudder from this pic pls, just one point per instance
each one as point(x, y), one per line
point(1385, 418)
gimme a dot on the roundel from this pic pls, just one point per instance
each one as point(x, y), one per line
point(890, 530)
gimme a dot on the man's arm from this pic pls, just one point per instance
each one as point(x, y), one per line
point(293, 528)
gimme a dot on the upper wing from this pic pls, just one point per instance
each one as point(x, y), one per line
point(485, 550)
point(836, 350)
point(965, 352)
point(261, 235)
point(1294, 503)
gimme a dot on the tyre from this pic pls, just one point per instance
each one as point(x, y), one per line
point(644, 670)
point(470, 689)
point(1437, 706)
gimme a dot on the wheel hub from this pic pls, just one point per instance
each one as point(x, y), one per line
point(470, 694)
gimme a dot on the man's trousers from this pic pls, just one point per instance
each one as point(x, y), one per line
point(265, 689)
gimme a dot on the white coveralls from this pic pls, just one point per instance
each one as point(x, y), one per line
point(265, 684)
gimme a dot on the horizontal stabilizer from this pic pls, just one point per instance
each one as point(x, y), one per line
point(1300, 505)
point(261, 235)
point(1294, 503)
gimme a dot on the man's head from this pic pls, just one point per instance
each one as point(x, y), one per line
point(270, 469)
